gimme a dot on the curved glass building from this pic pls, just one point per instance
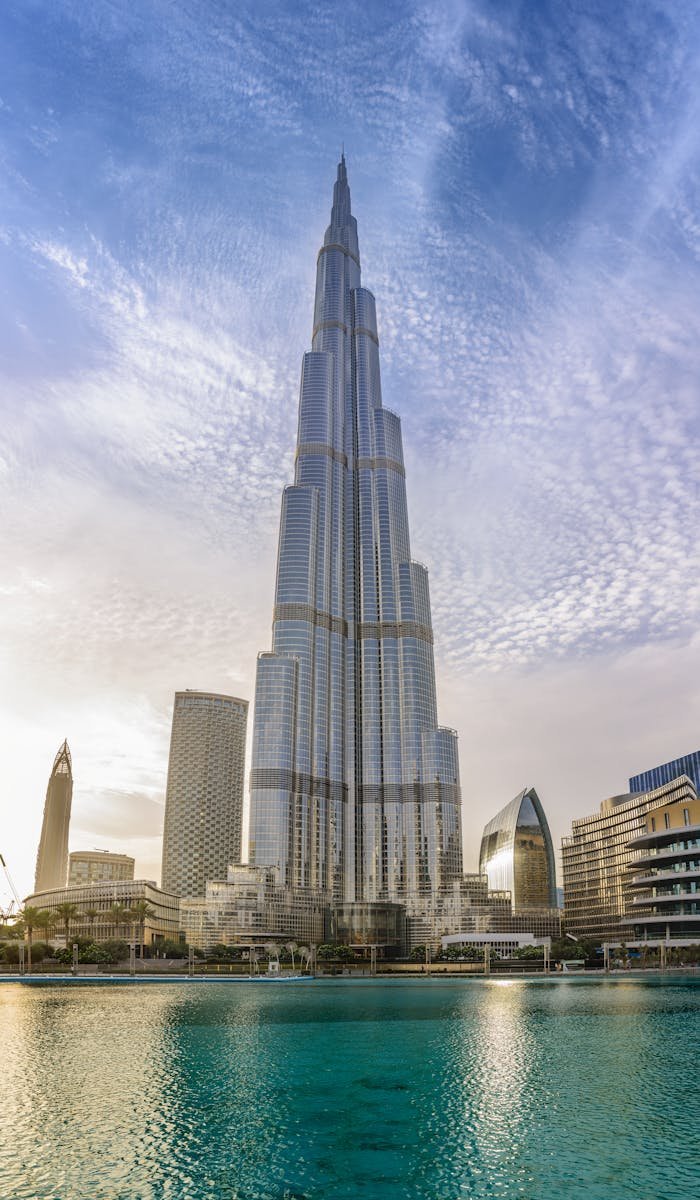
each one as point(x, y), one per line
point(52, 857)
point(354, 786)
point(517, 853)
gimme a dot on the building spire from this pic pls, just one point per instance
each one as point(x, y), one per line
point(341, 214)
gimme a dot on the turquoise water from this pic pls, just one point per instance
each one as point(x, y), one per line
point(427, 1089)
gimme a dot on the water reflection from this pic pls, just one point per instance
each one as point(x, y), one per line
point(417, 1090)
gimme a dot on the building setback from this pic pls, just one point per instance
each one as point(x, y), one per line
point(204, 795)
point(52, 857)
point(354, 787)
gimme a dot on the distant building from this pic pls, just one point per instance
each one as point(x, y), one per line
point(96, 902)
point(597, 856)
point(517, 853)
point(52, 858)
point(204, 796)
point(656, 777)
point(249, 907)
point(98, 866)
point(663, 883)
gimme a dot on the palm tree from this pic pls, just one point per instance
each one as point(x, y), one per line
point(118, 915)
point(91, 915)
point(139, 913)
point(45, 921)
point(68, 912)
point(272, 950)
point(291, 947)
point(304, 956)
point(29, 916)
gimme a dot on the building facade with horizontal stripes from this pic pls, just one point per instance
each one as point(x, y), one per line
point(354, 787)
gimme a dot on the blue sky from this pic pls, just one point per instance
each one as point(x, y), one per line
point(526, 179)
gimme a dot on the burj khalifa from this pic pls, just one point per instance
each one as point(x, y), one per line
point(354, 787)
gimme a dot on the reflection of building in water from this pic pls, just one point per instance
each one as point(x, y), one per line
point(98, 866)
point(97, 917)
point(517, 853)
point(52, 858)
point(597, 857)
point(250, 906)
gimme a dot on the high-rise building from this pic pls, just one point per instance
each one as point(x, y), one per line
point(52, 858)
point(597, 857)
point(354, 786)
point(204, 795)
point(98, 866)
point(656, 777)
point(517, 854)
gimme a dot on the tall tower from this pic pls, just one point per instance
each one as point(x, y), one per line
point(52, 858)
point(354, 787)
point(204, 795)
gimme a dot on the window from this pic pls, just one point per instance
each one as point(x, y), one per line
point(686, 816)
point(667, 821)
point(653, 824)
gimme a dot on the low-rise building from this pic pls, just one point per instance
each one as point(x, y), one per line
point(98, 914)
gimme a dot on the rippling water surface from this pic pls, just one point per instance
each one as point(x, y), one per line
point(430, 1089)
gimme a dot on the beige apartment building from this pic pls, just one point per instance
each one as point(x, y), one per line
point(596, 859)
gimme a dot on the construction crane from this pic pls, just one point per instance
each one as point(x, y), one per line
point(13, 889)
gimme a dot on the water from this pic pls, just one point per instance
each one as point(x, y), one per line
point(436, 1090)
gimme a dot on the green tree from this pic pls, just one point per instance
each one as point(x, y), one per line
point(91, 914)
point(68, 913)
point(139, 913)
point(529, 952)
point(335, 950)
point(29, 916)
point(118, 916)
point(46, 922)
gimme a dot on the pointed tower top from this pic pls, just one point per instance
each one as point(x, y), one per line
point(62, 764)
point(341, 214)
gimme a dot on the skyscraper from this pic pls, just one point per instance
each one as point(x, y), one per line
point(52, 858)
point(204, 795)
point(517, 853)
point(354, 786)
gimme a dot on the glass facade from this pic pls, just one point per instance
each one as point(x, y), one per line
point(354, 787)
point(249, 908)
point(52, 857)
point(517, 853)
point(689, 765)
